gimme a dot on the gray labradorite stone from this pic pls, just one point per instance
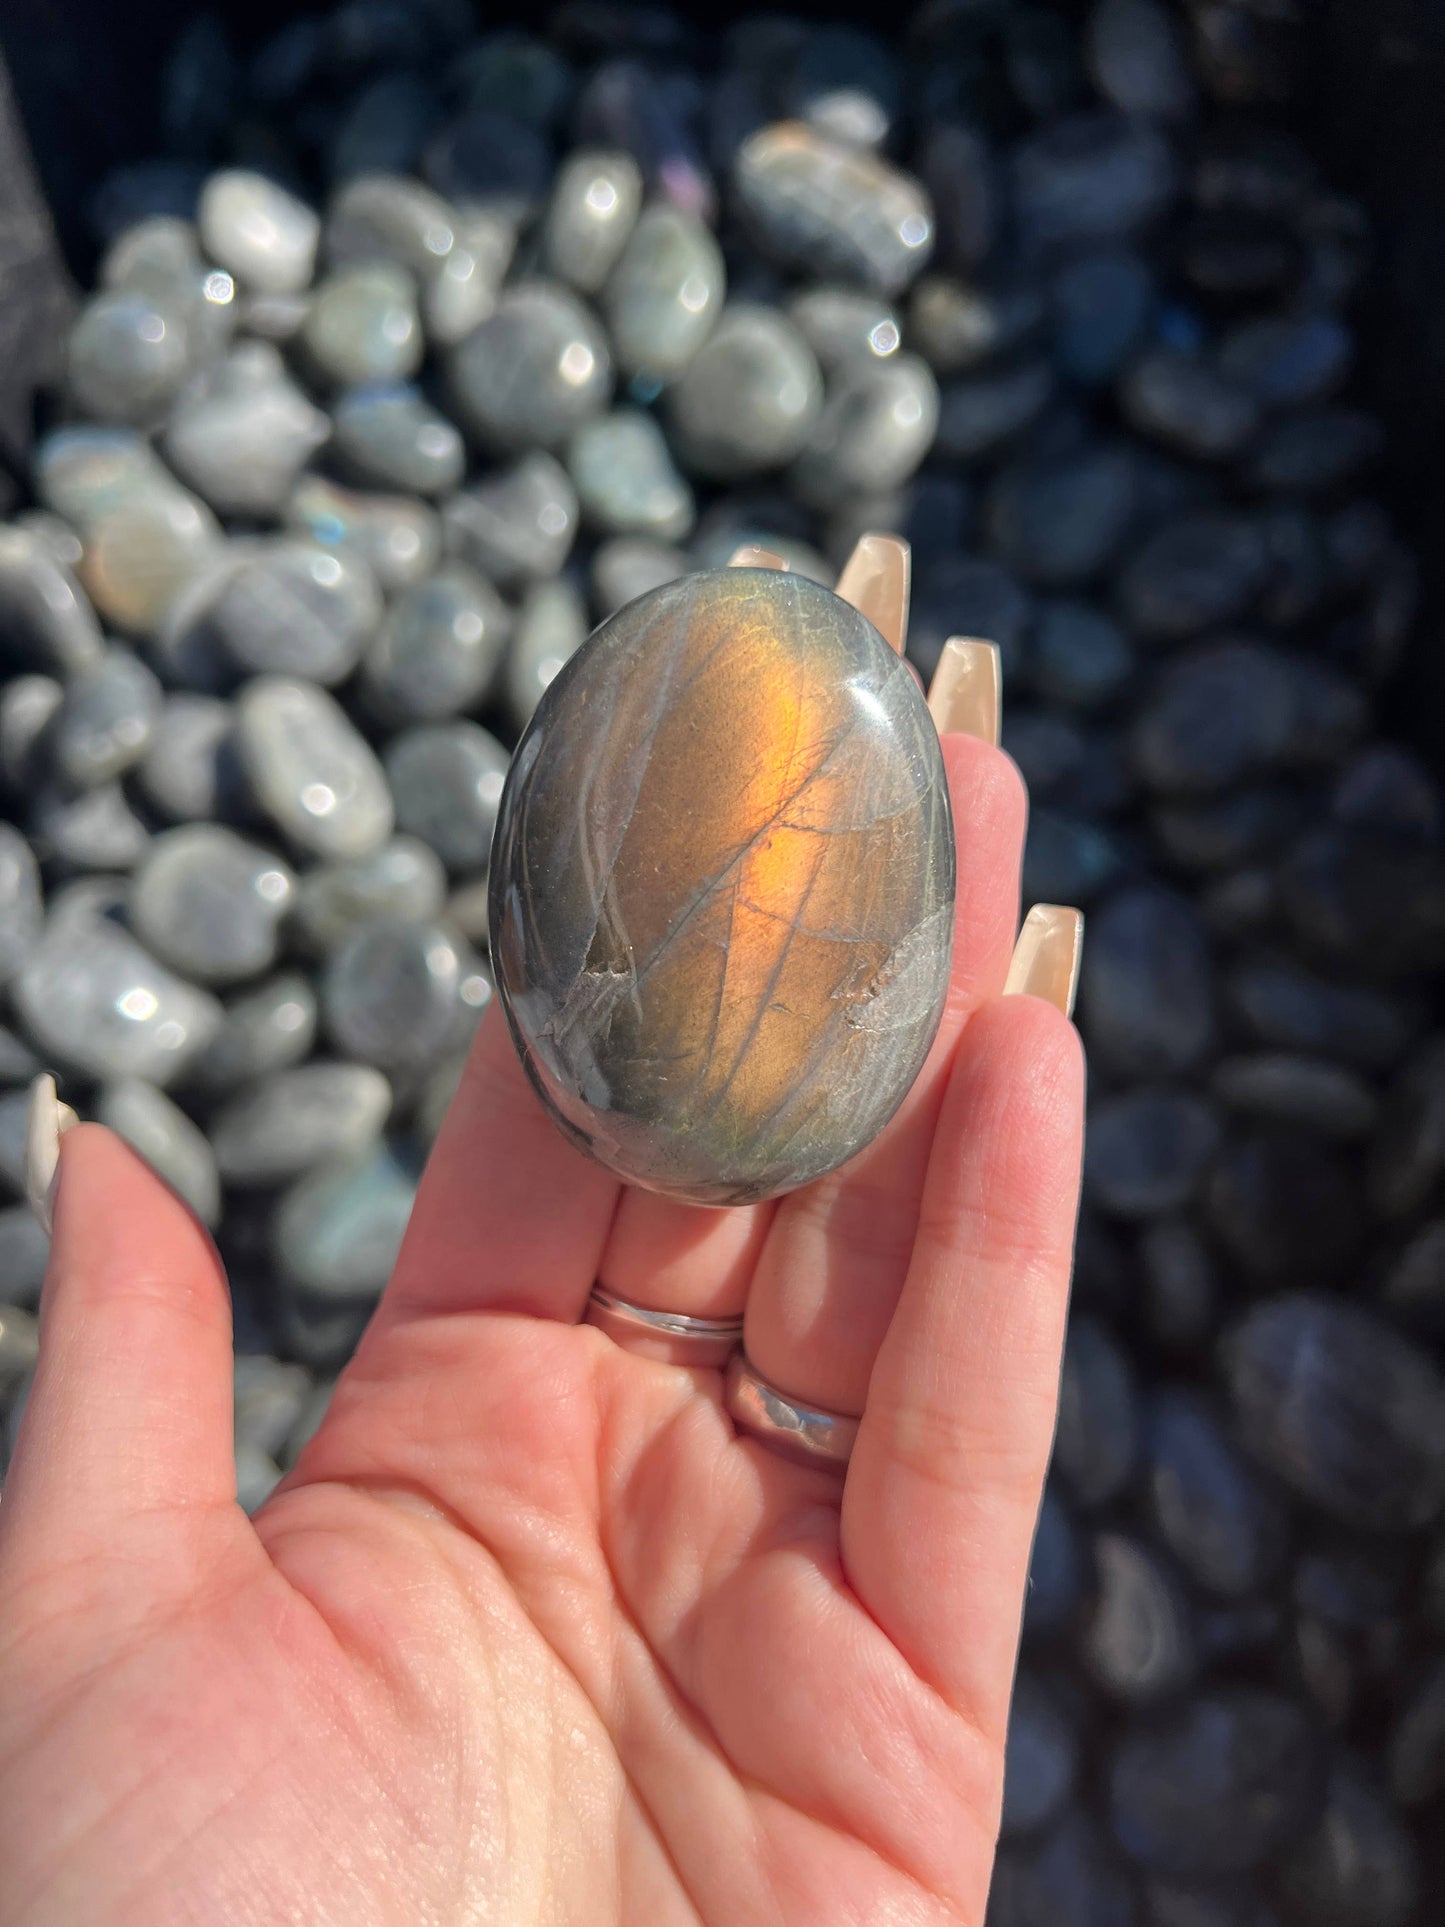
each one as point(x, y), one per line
point(817, 204)
point(104, 724)
point(626, 480)
point(439, 648)
point(91, 998)
point(126, 358)
point(81, 473)
point(843, 324)
point(189, 771)
point(266, 1029)
point(159, 1131)
point(517, 525)
point(27, 704)
point(663, 297)
point(876, 426)
point(22, 909)
point(551, 626)
point(209, 903)
point(750, 398)
point(363, 326)
point(447, 779)
point(630, 566)
point(396, 536)
point(94, 829)
point(391, 993)
point(390, 434)
point(140, 555)
point(404, 878)
point(292, 1121)
point(160, 259)
point(265, 236)
point(462, 290)
point(594, 207)
point(534, 371)
point(45, 621)
point(241, 432)
point(387, 217)
point(310, 770)
point(740, 955)
point(290, 609)
point(337, 1232)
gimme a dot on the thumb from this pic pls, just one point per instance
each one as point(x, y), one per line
point(130, 1412)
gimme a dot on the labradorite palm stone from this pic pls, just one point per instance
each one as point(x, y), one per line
point(722, 887)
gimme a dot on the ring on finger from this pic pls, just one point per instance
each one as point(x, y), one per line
point(674, 1337)
point(803, 1433)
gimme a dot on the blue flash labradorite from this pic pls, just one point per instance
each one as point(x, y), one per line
point(723, 887)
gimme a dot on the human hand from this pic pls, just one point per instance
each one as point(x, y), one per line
point(530, 1633)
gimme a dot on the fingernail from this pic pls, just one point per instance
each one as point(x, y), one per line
point(1047, 956)
point(875, 580)
point(966, 694)
point(750, 556)
point(47, 1120)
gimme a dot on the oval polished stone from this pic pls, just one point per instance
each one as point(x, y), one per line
point(741, 954)
point(626, 480)
point(817, 204)
point(241, 432)
point(535, 369)
point(594, 207)
point(126, 358)
point(388, 434)
point(140, 554)
point(265, 236)
point(396, 536)
point(663, 297)
point(209, 903)
point(363, 325)
point(447, 779)
point(404, 878)
point(291, 610)
point(44, 617)
point(517, 525)
point(266, 1029)
point(438, 649)
point(750, 398)
point(312, 773)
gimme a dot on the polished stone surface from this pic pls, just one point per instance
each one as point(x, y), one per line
point(662, 299)
point(209, 903)
point(363, 325)
point(517, 524)
point(404, 878)
point(534, 370)
point(241, 432)
point(838, 211)
point(296, 1119)
point(594, 207)
point(447, 779)
point(266, 1029)
point(290, 609)
point(45, 619)
point(141, 553)
point(104, 724)
point(750, 397)
point(390, 436)
point(398, 537)
point(551, 627)
point(739, 959)
point(875, 428)
point(125, 359)
point(311, 770)
point(438, 649)
point(626, 480)
point(264, 235)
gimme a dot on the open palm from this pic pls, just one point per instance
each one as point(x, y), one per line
point(531, 1634)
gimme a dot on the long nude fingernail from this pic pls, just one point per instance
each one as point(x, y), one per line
point(1047, 956)
point(752, 556)
point(48, 1119)
point(875, 579)
point(966, 694)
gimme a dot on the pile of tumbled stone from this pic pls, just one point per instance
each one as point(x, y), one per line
point(419, 353)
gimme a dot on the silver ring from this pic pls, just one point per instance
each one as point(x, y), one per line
point(802, 1433)
point(672, 1336)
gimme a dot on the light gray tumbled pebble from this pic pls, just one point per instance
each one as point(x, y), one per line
point(210, 903)
point(439, 648)
point(626, 480)
point(160, 1132)
point(551, 626)
point(190, 772)
point(126, 358)
point(141, 553)
point(22, 908)
point(92, 829)
point(404, 878)
point(44, 615)
point(26, 707)
point(241, 432)
point(265, 1029)
point(750, 397)
point(627, 567)
point(264, 235)
point(160, 258)
point(337, 1231)
point(390, 993)
point(844, 324)
point(517, 524)
point(104, 724)
point(876, 426)
point(82, 472)
point(388, 217)
point(462, 290)
point(257, 1476)
point(814, 203)
point(535, 369)
point(293, 610)
point(93, 998)
point(310, 770)
point(363, 326)
point(388, 433)
point(663, 298)
point(595, 202)
point(396, 536)
point(447, 780)
point(294, 1120)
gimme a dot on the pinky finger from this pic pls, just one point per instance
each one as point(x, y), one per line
point(943, 1488)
